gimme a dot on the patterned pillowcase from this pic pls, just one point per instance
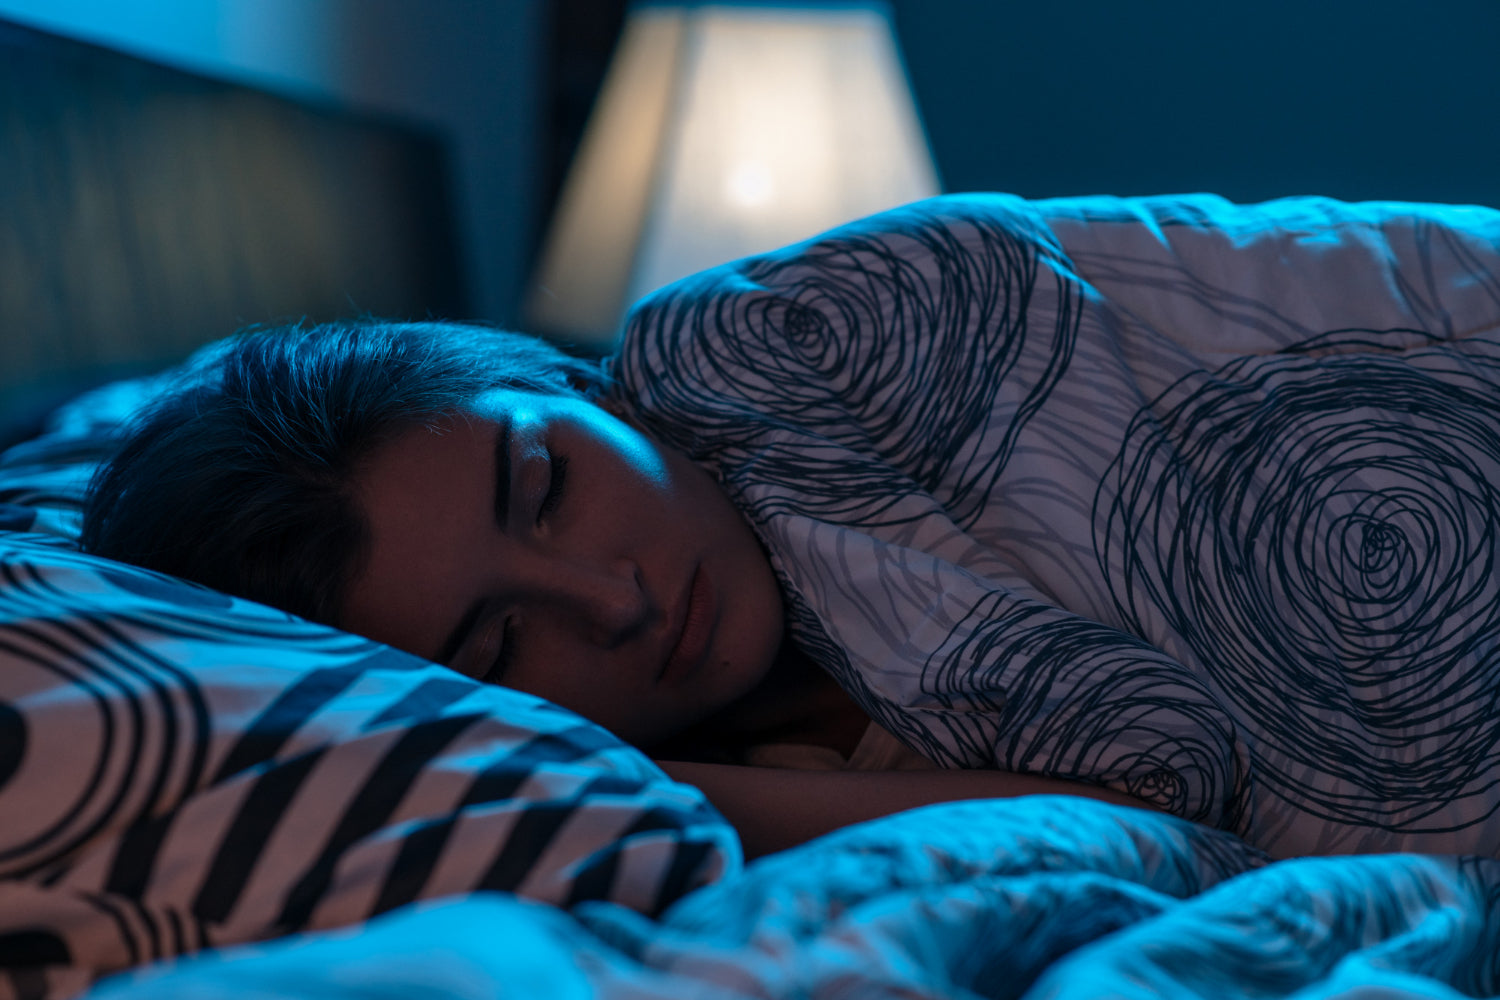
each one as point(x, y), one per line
point(180, 769)
point(42, 481)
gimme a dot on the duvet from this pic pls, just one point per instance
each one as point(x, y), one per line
point(1040, 898)
point(1196, 500)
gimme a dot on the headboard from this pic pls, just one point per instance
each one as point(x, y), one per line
point(145, 210)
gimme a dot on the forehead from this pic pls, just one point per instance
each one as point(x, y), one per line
point(497, 403)
point(591, 429)
point(433, 440)
point(436, 472)
point(425, 496)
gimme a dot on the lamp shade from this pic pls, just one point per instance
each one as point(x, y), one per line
point(721, 131)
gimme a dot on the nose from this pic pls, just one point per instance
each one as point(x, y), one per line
point(606, 601)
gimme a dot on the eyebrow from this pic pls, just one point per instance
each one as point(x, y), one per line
point(460, 633)
point(502, 475)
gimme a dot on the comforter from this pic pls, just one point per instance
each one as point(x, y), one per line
point(1037, 898)
point(1196, 500)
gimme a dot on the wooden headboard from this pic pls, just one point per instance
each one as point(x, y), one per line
point(145, 210)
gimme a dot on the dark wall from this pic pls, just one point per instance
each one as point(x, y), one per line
point(1358, 100)
point(145, 210)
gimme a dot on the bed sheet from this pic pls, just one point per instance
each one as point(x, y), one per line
point(1037, 898)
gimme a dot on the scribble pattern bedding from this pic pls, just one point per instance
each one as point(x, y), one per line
point(1196, 500)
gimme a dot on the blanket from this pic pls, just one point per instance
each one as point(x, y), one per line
point(1038, 898)
point(1195, 500)
point(1191, 499)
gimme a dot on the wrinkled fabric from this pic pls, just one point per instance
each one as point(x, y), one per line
point(1194, 500)
point(1024, 898)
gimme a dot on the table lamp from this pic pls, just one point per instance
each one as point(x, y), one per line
point(724, 130)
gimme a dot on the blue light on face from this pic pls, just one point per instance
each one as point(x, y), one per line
point(611, 433)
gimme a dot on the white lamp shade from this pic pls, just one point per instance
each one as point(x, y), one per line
point(722, 131)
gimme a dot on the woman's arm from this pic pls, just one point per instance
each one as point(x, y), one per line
point(774, 809)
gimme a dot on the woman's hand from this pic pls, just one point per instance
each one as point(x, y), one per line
point(774, 809)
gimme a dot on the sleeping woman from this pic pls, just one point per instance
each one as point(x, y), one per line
point(1165, 502)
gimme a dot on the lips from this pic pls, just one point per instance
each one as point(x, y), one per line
point(698, 620)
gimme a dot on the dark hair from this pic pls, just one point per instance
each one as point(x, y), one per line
point(239, 477)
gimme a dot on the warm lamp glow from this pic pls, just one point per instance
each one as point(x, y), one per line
point(726, 130)
point(749, 185)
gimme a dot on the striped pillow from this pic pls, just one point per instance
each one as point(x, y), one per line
point(180, 769)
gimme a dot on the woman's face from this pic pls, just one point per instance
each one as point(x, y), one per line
point(541, 543)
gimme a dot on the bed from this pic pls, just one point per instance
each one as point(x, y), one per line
point(205, 797)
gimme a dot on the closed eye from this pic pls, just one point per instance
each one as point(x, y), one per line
point(504, 656)
point(555, 487)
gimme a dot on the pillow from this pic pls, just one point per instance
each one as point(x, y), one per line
point(180, 769)
point(43, 481)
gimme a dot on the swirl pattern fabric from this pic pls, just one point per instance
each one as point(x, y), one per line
point(1334, 529)
point(1191, 499)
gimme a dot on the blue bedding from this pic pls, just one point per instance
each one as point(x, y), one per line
point(1036, 898)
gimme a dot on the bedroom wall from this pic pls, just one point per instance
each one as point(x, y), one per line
point(466, 67)
point(1359, 99)
point(1353, 98)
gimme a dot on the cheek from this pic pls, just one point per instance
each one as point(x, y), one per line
point(633, 716)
